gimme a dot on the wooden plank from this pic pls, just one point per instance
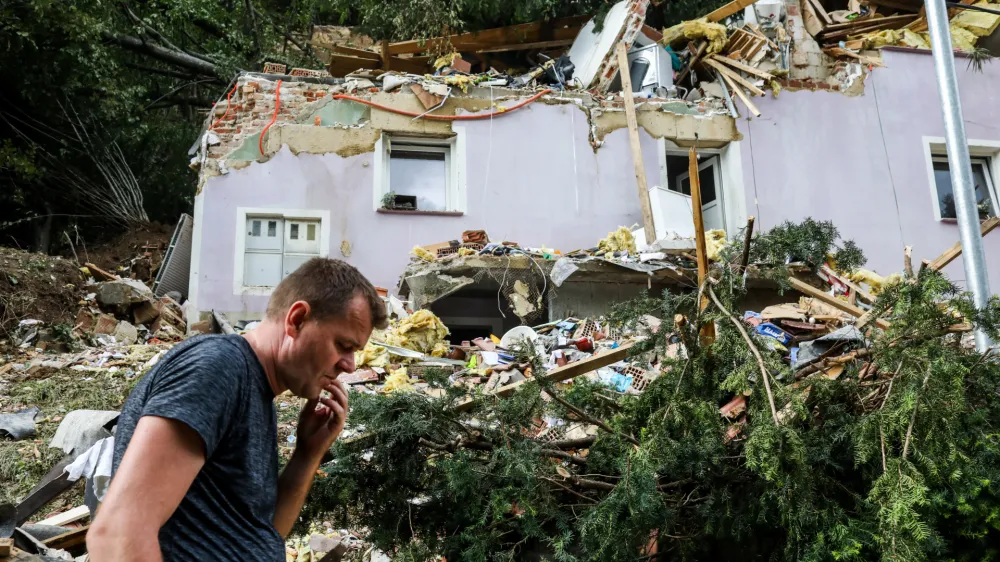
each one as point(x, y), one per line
point(837, 35)
point(863, 22)
point(562, 28)
point(416, 65)
point(356, 53)
point(223, 323)
point(652, 33)
point(5, 547)
point(101, 275)
point(67, 517)
point(633, 135)
point(897, 5)
point(384, 55)
point(820, 12)
point(342, 65)
point(726, 71)
point(701, 247)
point(956, 250)
point(560, 374)
point(822, 296)
point(527, 46)
point(744, 67)
point(70, 540)
point(743, 97)
point(729, 9)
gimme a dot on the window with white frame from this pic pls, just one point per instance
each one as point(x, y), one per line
point(986, 198)
point(275, 246)
point(421, 174)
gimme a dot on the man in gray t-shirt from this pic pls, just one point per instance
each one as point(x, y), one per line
point(196, 466)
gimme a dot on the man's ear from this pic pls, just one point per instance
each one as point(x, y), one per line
point(296, 316)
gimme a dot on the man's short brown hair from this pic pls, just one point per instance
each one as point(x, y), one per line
point(327, 285)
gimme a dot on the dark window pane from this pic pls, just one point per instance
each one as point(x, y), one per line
point(295, 232)
point(946, 194)
point(272, 227)
point(707, 177)
point(256, 228)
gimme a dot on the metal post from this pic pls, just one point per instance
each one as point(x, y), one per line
point(962, 184)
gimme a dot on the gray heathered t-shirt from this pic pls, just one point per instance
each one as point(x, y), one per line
point(216, 385)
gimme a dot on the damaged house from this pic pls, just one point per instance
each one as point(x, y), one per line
point(398, 147)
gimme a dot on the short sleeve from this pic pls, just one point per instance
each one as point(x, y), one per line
point(202, 388)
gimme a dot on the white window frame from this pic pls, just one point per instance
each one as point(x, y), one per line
point(242, 213)
point(730, 184)
point(936, 150)
point(453, 148)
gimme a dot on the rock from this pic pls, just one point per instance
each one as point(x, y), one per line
point(106, 324)
point(122, 293)
point(125, 333)
point(320, 543)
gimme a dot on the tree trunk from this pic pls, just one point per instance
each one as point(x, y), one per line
point(43, 231)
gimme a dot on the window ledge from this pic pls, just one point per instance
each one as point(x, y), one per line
point(423, 213)
point(955, 221)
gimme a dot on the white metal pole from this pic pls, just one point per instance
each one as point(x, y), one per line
point(959, 163)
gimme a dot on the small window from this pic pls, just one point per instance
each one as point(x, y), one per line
point(419, 174)
point(268, 260)
point(985, 194)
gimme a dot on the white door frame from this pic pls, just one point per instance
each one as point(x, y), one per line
point(715, 163)
point(730, 172)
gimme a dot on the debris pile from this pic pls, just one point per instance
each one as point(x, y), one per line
point(659, 414)
point(874, 24)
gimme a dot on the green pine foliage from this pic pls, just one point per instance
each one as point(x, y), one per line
point(896, 459)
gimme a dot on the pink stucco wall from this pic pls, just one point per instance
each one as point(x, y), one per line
point(860, 161)
point(545, 185)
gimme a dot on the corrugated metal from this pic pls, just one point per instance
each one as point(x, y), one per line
point(176, 267)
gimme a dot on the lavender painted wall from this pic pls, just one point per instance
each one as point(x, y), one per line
point(860, 161)
point(532, 177)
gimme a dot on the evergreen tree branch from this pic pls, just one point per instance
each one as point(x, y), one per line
point(913, 418)
point(753, 348)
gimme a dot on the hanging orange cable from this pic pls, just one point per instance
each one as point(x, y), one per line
point(277, 106)
point(229, 95)
point(444, 117)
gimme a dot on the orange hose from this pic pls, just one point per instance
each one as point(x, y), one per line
point(443, 117)
point(219, 120)
point(277, 106)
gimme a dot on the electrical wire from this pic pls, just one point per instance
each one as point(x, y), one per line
point(444, 117)
point(277, 106)
point(226, 114)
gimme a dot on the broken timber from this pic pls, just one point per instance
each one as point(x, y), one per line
point(559, 374)
point(956, 250)
point(633, 135)
point(843, 306)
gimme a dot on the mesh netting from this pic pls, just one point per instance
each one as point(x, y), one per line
point(522, 282)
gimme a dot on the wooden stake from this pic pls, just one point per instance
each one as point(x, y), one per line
point(745, 259)
point(699, 220)
point(633, 135)
point(843, 306)
point(385, 54)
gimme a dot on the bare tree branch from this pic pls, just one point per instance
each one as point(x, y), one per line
point(164, 54)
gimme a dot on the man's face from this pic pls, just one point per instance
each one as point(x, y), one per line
point(314, 352)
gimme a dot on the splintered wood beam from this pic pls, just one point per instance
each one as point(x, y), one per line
point(825, 298)
point(747, 238)
point(729, 9)
point(560, 374)
point(562, 28)
point(633, 134)
point(359, 53)
point(744, 67)
point(742, 95)
point(726, 71)
point(701, 247)
point(384, 52)
point(956, 250)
